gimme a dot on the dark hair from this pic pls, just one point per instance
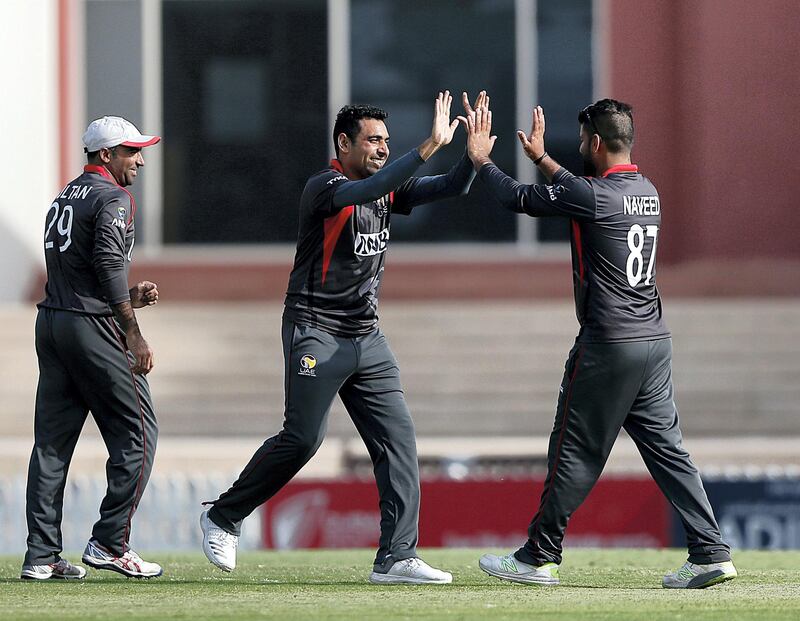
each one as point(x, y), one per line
point(92, 156)
point(347, 121)
point(612, 120)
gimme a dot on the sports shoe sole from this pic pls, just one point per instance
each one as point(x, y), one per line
point(204, 519)
point(27, 576)
point(521, 579)
point(112, 567)
point(706, 580)
point(376, 578)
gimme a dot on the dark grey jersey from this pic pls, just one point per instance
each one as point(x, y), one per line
point(615, 222)
point(343, 237)
point(88, 241)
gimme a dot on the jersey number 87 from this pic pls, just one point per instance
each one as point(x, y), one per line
point(636, 259)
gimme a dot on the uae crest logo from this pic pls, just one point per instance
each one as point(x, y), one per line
point(307, 365)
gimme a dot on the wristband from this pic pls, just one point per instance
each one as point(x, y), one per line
point(539, 159)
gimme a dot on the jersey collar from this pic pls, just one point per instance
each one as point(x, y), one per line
point(103, 172)
point(100, 170)
point(337, 165)
point(621, 168)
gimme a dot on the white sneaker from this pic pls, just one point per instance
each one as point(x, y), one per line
point(218, 544)
point(129, 564)
point(411, 571)
point(62, 570)
point(692, 576)
point(510, 568)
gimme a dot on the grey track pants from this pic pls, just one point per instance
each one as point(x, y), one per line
point(363, 371)
point(84, 366)
point(608, 386)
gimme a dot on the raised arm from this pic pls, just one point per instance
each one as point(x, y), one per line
point(393, 175)
point(569, 196)
point(455, 182)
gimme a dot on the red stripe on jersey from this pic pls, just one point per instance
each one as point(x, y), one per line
point(333, 229)
point(103, 171)
point(100, 170)
point(621, 168)
point(576, 235)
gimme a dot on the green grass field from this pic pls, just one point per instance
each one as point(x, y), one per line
point(596, 584)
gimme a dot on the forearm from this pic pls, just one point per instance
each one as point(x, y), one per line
point(125, 316)
point(428, 148)
point(455, 182)
point(110, 270)
point(548, 167)
point(379, 184)
point(505, 189)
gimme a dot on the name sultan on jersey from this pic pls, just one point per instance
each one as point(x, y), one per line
point(640, 205)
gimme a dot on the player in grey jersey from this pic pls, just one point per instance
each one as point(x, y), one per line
point(92, 357)
point(332, 342)
point(619, 373)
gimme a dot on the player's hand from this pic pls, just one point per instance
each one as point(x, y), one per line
point(479, 136)
point(145, 360)
point(533, 144)
point(144, 294)
point(481, 101)
point(443, 130)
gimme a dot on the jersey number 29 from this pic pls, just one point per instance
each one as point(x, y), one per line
point(64, 226)
point(636, 259)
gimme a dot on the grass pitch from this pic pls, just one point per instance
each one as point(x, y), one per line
point(596, 584)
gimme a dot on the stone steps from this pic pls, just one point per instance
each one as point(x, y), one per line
point(478, 368)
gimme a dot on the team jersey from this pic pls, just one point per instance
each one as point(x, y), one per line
point(615, 222)
point(88, 241)
point(336, 278)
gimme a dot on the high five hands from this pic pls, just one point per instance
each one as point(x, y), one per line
point(533, 144)
point(478, 122)
point(443, 128)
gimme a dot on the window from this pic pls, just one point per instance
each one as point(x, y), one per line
point(245, 116)
point(402, 54)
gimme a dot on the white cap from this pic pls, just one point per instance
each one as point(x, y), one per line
point(111, 131)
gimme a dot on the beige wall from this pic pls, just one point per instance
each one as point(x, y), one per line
point(29, 130)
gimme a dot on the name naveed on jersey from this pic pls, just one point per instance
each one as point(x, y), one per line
point(641, 205)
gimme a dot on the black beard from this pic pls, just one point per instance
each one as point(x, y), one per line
point(589, 169)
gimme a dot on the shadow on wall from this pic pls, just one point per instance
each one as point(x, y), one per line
point(19, 268)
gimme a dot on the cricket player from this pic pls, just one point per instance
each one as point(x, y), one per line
point(619, 373)
point(332, 343)
point(92, 357)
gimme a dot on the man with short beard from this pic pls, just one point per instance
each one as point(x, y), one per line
point(331, 340)
point(92, 357)
point(619, 373)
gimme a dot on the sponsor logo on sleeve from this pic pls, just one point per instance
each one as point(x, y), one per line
point(553, 191)
point(337, 178)
point(121, 212)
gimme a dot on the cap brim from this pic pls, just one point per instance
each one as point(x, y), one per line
point(148, 140)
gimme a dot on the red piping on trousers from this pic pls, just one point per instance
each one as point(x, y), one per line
point(144, 437)
point(560, 436)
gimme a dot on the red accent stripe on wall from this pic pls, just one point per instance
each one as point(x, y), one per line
point(64, 91)
point(333, 229)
